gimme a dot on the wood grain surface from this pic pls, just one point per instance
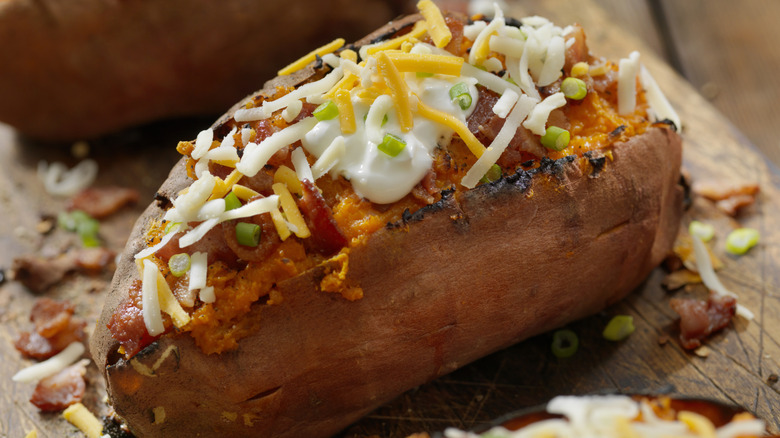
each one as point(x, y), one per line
point(741, 360)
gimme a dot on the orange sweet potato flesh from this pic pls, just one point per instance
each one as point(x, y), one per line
point(79, 69)
point(468, 276)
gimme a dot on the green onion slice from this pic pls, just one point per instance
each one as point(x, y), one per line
point(555, 138)
point(90, 241)
point(459, 93)
point(70, 221)
point(619, 328)
point(392, 145)
point(493, 174)
point(422, 74)
point(247, 234)
point(703, 231)
point(179, 264)
point(232, 201)
point(565, 343)
point(326, 111)
point(739, 241)
point(172, 227)
point(574, 88)
point(87, 227)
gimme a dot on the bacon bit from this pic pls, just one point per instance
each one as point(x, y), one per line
point(213, 244)
point(40, 273)
point(578, 51)
point(426, 190)
point(61, 390)
point(93, 260)
point(127, 323)
point(325, 234)
point(681, 278)
point(55, 329)
point(698, 319)
point(729, 197)
point(269, 238)
point(101, 202)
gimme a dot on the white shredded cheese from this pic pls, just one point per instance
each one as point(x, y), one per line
point(258, 206)
point(507, 45)
point(150, 300)
point(198, 232)
point(493, 65)
point(301, 165)
point(202, 143)
point(52, 365)
point(291, 112)
point(186, 206)
point(376, 113)
point(59, 181)
point(246, 134)
point(488, 80)
point(146, 252)
point(257, 155)
point(331, 59)
point(499, 144)
point(505, 103)
point(471, 31)
point(659, 104)
point(553, 62)
point(199, 266)
point(307, 90)
point(211, 209)
point(538, 119)
point(486, 33)
point(628, 68)
point(207, 294)
point(329, 158)
point(710, 278)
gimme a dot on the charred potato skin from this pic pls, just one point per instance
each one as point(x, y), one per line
point(541, 248)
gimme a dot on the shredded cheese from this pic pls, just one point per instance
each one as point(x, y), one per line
point(290, 209)
point(399, 91)
point(207, 294)
point(427, 63)
point(52, 365)
point(328, 159)
point(153, 249)
point(169, 304)
point(244, 193)
point(257, 155)
point(505, 103)
point(520, 111)
point(288, 176)
point(346, 112)
point(437, 27)
point(59, 181)
point(78, 415)
point(456, 125)
point(202, 143)
point(280, 224)
point(481, 47)
point(311, 56)
point(291, 112)
point(657, 100)
point(150, 299)
point(628, 68)
point(198, 232)
point(417, 31)
point(222, 188)
point(301, 164)
point(538, 119)
point(253, 208)
point(199, 266)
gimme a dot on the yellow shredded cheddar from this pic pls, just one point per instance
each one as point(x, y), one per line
point(399, 91)
point(456, 125)
point(79, 416)
point(311, 56)
point(244, 193)
point(290, 209)
point(289, 178)
point(434, 20)
point(346, 112)
point(280, 224)
point(169, 304)
point(418, 30)
point(419, 62)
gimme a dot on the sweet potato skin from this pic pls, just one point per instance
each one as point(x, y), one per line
point(460, 279)
point(84, 68)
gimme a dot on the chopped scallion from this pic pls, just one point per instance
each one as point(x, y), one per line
point(326, 111)
point(619, 328)
point(232, 201)
point(172, 227)
point(565, 343)
point(703, 231)
point(459, 93)
point(555, 138)
point(574, 88)
point(493, 174)
point(247, 234)
point(392, 145)
point(422, 74)
point(179, 264)
point(739, 241)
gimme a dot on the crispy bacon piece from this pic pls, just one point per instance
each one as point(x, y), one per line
point(578, 51)
point(729, 197)
point(100, 202)
point(213, 244)
point(325, 234)
point(269, 238)
point(39, 273)
point(127, 323)
point(698, 319)
point(57, 392)
point(55, 329)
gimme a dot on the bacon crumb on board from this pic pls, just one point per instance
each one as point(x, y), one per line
point(699, 319)
point(100, 202)
point(38, 273)
point(729, 197)
point(55, 329)
point(57, 392)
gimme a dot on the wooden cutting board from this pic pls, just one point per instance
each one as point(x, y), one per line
point(740, 367)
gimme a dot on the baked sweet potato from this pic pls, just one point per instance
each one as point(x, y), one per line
point(79, 69)
point(317, 340)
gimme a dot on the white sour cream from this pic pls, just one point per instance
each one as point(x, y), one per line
point(374, 175)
